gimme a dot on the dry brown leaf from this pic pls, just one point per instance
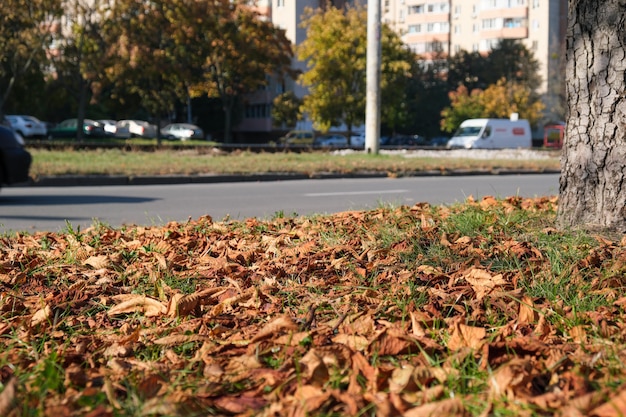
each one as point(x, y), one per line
point(615, 407)
point(272, 328)
point(98, 261)
point(527, 311)
point(463, 336)
point(41, 316)
point(7, 397)
point(483, 282)
point(139, 304)
point(401, 378)
point(177, 339)
point(451, 407)
point(510, 377)
point(354, 342)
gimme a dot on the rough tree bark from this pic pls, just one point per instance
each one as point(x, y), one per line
point(592, 194)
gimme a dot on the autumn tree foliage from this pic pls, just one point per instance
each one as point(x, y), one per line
point(335, 53)
point(591, 194)
point(146, 59)
point(286, 109)
point(26, 28)
point(240, 53)
point(499, 101)
point(169, 50)
point(79, 56)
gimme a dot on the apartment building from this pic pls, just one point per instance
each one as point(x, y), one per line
point(434, 28)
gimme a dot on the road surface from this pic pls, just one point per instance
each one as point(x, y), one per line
point(33, 209)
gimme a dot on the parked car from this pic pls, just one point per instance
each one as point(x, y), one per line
point(298, 138)
point(182, 131)
point(69, 129)
point(400, 141)
point(109, 126)
point(27, 126)
point(15, 161)
point(357, 140)
point(135, 129)
point(333, 139)
point(438, 141)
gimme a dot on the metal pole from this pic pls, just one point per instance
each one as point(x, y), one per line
point(374, 52)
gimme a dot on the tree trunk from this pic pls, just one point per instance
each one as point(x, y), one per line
point(592, 192)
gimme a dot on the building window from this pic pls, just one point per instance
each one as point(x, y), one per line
point(490, 24)
point(418, 9)
point(280, 3)
point(415, 28)
point(514, 22)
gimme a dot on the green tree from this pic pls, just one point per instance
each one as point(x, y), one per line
point(242, 51)
point(510, 59)
point(26, 28)
point(426, 96)
point(286, 110)
point(335, 53)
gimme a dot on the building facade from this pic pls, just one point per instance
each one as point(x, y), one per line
point(433, 28)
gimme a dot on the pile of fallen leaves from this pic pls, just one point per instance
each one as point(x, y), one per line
point(473, 309)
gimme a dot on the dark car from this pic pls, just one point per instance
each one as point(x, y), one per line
point(14, 159)
point(68, 129)
point(400, 141)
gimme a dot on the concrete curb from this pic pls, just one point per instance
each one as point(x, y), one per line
point(100, 180)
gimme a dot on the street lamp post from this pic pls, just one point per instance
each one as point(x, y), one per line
point(372, 106)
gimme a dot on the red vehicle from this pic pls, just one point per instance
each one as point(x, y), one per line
point(553, 135)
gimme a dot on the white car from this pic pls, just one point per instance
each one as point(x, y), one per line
point(135, 129)
point(182, 131)
point(27, 126)
point(110, 126)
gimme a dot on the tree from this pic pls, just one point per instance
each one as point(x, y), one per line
point(499, 100)
point(463, 105)
point(78, 58)
point(591, 193)
point(242, 52)
point(286, 110)
point(426, 96)
point(25, 33)
point(146, 58)
point(510, 59)
point(506, 97)
point(335, 53)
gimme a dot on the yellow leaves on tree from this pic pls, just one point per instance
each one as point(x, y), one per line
point(498, 101)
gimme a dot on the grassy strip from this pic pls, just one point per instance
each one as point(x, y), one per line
point(206, 161)
point(475, 309)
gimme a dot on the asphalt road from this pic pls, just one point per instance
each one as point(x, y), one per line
point(33, 209)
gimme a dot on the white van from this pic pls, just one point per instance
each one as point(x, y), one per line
point(492, 134)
